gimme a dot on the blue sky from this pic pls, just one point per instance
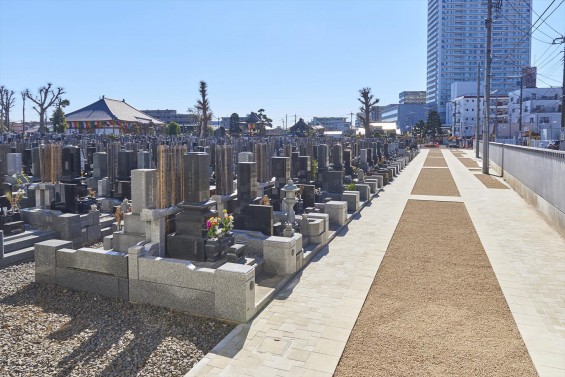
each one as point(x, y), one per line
point(306, 57)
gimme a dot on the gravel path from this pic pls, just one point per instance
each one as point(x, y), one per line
point(435, 182)
point(490, 182)
point(47, 330)
point(435, 162)
point(468, 163)
point(435, 307)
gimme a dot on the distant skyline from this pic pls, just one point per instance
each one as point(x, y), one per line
point(307, 58)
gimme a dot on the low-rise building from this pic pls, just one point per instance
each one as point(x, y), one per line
point(331, 123)
point(405, 115)
point(541, 110)
point(168, 116)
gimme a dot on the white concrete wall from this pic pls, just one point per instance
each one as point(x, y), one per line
point(538, 175)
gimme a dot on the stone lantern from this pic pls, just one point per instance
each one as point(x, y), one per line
point(289, 192)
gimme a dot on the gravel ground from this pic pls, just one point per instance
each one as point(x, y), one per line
point(435, 307)
point(435, 182)
point(435, 162)
point(491, 182)
point(47, 330)
point(468, 163)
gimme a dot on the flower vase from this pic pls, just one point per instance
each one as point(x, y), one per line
point(217, 248)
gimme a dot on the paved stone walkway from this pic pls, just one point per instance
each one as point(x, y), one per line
point(303, 331)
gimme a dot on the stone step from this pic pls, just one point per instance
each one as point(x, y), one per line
point(18, 256)
point(26, 233)
point(26, 241)
point(266, 286)
point(106, 231)
point(106, 222)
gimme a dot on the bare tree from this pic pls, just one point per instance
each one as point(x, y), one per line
point(24, 96)
point(203, 108)
point(44, 100)
point(6, 102)
point(367, 102)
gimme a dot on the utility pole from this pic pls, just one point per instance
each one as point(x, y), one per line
point(478, 110)
point(286, 121)
point(454, 118)
point(351, 114)
point(486, 127)
point(520, 110)
point(562, 88)
point(294, 118)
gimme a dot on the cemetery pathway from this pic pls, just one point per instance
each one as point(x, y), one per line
point(304, 330)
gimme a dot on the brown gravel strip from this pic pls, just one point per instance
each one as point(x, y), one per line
point(468, 163)
point(435, 182)
point(435, 162)
point(435, 307)
point(46, 330)
point(491, 182)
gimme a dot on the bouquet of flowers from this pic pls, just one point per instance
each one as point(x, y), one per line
point(218, 227)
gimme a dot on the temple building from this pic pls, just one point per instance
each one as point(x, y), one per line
point(107, 116)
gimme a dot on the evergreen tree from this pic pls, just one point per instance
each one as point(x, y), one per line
point(173, 129)
point(234, 124)
point(433, 125)
point(58, 119)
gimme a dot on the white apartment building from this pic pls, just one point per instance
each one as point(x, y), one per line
point(463, 110)
point(541, 110)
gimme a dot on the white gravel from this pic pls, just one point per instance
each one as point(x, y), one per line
point(46, 330)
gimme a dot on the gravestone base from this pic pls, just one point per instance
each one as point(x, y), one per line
point(188, 241)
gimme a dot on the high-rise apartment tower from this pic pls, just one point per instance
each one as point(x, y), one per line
point(456, 43)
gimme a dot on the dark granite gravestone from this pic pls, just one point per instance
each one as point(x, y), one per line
point(370, 157)
point(70, 156)
point(35, 163)
point(304, 169)
point(257, 218)
point(308, 195)
point(143, 160)
point(386, 151)
point(280, 169)
point(379, 150)
point(294, 164)
point(5, 203)
point(127, 161)
point(315, 152)
point(337, 157)
point(323, 158)
point(4, 150)
point(90, 155)
point(347, 162)
point(332, 181)
point(6, 188)
point(246, 183)
point(26, 161)
point(100, 165)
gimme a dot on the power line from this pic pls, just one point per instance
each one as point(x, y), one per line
point(518, 12)
point(527, 33)
point(532, 9)
point(557, 7)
